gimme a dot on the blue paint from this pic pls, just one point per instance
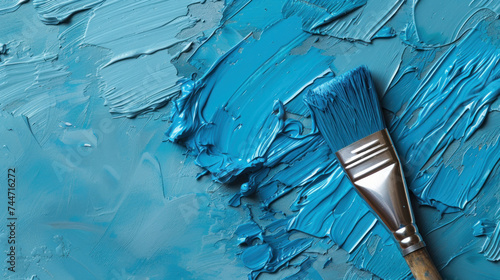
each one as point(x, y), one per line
point(321, 13)
point(138, 33)
point(447, 23)
point(346, 109)
point(27, 80)
point(483, 227)
point(283, 144)
point(385, 32)
point(8, 6)
point(257, 257)
point(491, 247)
point(92, 187)
point(276, 251)
point(239, 19)
point(248, 233)
point(314, 205)
point(57, 11)
point(328, 262)
point(352, 20)
point(200, 104)
point(442, 113)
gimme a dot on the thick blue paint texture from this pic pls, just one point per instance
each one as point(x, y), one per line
point(352, 20)
point(8, 6)
point(324, 210)
point(483, 227)
point(209, 112)
point(106, 198)
point(248, 233)
point(385, 32)
point(57, 11)
point(239, 19)
point(80, 192)
point(442, 27)
point(136, 33)
point(442, 113)
point(227, 148)
point(276, 250)
point(320, 13)
point(346, 109)
point(491, 247)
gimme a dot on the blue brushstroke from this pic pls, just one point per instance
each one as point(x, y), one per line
point(483, 227)
point(200, 105)
point(141, 32)
point(491, 247)
point(321, 209)
point(211, 142)
point(448, 106)
point(58, 11)
point(357, 20)
point(277, 250)
point(105, 198)
point(249, 233)
point(239, 19)
point(9, 6)
point(320, 13)
point(385, 32)
point(346, 108)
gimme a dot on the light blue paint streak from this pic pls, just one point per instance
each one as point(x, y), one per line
point(58, 11)
point(96, 186)
point(138, 32)
point(449, 105)
point(9, 6)
point(356, 20)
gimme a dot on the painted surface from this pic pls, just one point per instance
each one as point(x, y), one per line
point(170, 140)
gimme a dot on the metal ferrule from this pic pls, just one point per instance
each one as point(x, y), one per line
point(374, 168)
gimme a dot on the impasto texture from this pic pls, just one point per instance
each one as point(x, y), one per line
point(169, 139)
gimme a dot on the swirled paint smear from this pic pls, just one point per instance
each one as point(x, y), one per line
point(442, 114)
point(424, 30)
point(274, 250)
point(8, 6)
point(57, 11)
point(137, 31)
point(352, 20)
point(385, 32)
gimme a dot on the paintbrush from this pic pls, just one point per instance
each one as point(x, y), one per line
point(347, 113)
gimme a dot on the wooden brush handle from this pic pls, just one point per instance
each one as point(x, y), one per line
point(421, 265)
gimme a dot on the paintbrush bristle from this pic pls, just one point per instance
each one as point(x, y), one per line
point(346, 109)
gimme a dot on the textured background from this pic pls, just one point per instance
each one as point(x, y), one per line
point(85, 98)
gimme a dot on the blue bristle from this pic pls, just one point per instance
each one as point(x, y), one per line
point(346, 109)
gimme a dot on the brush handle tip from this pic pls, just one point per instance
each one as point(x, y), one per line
point(421, 265)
